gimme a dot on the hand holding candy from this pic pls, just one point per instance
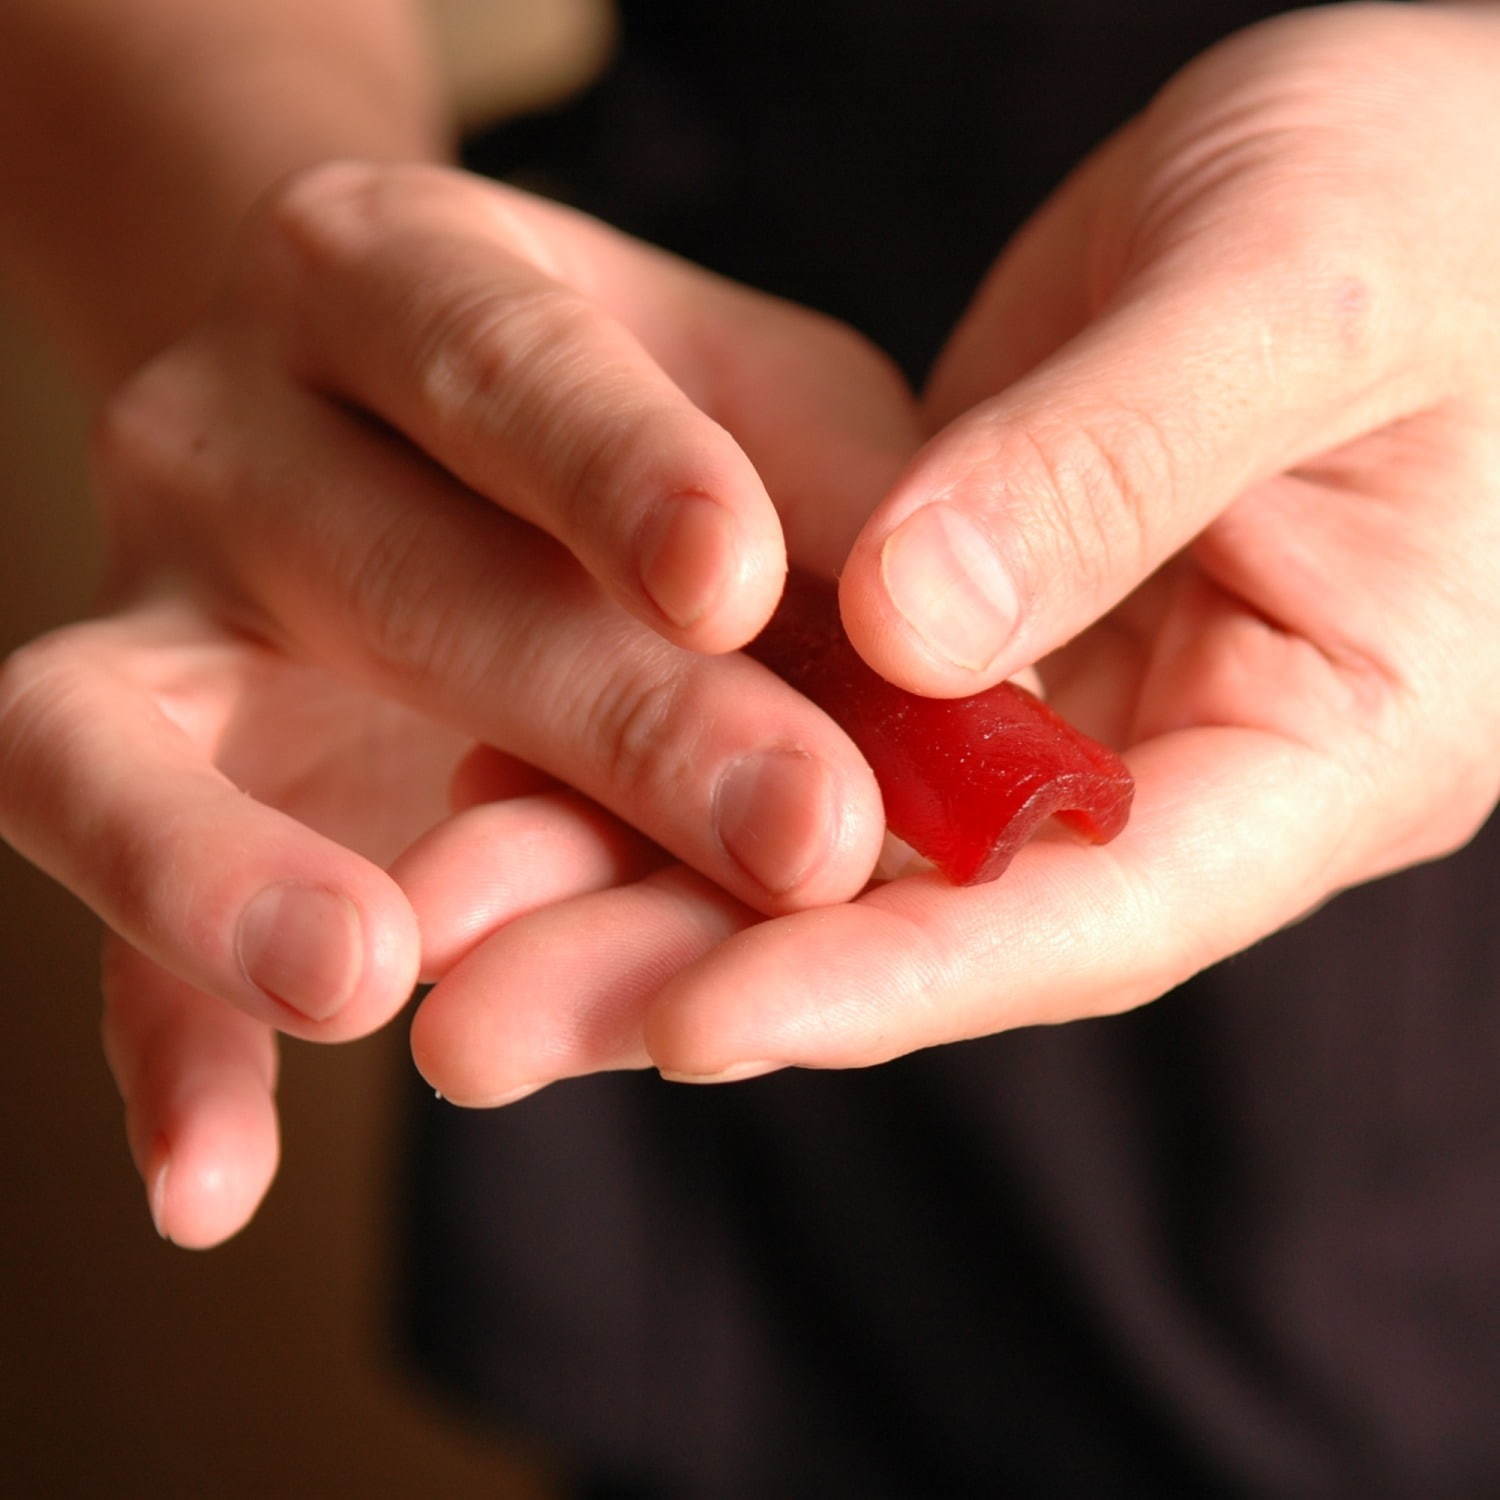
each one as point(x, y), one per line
point(966, 781)
point(1218, 446)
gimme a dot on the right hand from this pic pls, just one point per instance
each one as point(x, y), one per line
point(328, 512)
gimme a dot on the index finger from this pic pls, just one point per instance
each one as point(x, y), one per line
point(582, 382)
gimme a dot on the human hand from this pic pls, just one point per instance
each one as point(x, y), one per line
point(1219, 444)
point(326, 510)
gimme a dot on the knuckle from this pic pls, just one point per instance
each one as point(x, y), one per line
point(640, 723)
point(20, 682)
point(321, 218)
point(1101, 484)
point(484, 358)
point(1348, 314)
point(300, 229)
point(417, 607)
point(399, 609)
point(613, 460)
point(311, 214)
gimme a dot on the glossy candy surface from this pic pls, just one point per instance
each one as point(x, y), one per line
point(966, 781)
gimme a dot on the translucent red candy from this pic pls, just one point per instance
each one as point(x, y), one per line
point(966, 781)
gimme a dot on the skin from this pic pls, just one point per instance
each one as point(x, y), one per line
point(1216, 438)
point(336, 426)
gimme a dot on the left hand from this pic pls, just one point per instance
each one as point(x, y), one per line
point(1218, 446)
point(319, 600)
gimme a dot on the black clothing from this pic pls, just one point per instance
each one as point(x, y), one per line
point(865, 157)
point(1245, 1241)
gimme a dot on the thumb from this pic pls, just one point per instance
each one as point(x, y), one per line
point(1244, 349)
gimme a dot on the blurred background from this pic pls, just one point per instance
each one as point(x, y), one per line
point(129, 1367)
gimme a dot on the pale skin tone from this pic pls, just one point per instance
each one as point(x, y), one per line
point(1217, 442)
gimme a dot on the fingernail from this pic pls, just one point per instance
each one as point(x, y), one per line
point(942, 574)
point(773, 814)
point(303, 946)
point(156, 1186)
point(735, 1073)
point(688, 554)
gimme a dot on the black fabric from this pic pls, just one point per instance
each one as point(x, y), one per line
point(1243, 1242)
point(866, 157)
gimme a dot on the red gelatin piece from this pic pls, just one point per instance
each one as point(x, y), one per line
point(966, 781)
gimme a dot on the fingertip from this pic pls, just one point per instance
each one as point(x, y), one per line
point(234, 896)
point(197, 1078)
point(207, 1174)
point(710, 573)
point(393, 959)
point(424, 1040)
point(682, 1038)
point(930, 605)
point(443, 1054)
point(561, 992)
point(453, 1049)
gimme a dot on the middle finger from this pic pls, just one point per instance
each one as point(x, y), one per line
point(369, 559)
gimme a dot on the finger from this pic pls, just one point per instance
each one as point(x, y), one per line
point(495, 861)
point(486, 774)
point(370, 561)
point(117, 801)
point(442, 305)
point(1233, 834)
point(1221, 360)
point(562, 992)
point(198, 1079)
point(827, 418)
point(417, 294)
